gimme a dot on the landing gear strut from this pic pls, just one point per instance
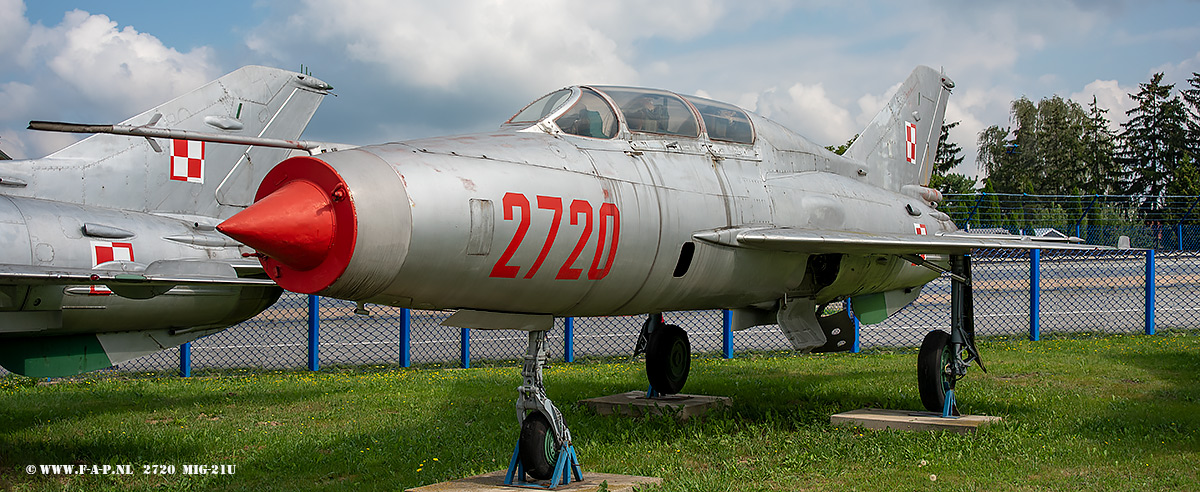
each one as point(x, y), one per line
point(941, 362)
point(668, 355)
point(544, 450)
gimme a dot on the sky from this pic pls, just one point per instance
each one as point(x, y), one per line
point(405, 69)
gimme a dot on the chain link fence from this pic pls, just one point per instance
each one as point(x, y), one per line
point(1017, 293)
point(1161, 223)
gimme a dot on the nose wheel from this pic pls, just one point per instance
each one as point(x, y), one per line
point(544, 450)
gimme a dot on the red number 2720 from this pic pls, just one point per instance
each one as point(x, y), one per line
point(579, 212)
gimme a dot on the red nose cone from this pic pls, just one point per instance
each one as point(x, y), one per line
point(293, 225)
point(302, 222)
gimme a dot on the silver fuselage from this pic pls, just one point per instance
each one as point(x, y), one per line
point(444, 220)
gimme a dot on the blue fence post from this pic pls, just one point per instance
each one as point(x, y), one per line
point(405, 338)
point(185, 360)
point(465, 347)
point(727, 334)
point(569, 340)
point(1035, 294)
point(314, 333)
point(1150, 292)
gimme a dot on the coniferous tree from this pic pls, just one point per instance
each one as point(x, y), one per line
point(1191, 101)
point(1154, 151)
point(1099, 153)
point(948, 156)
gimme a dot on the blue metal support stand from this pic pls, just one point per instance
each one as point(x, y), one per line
point(569, 340)
point(566, 467)
point(950, 406)
point(405, 338)
point(1035, 295)
point(185, 360)
point(464, 354)
point(727, 334)
point(314, 333)
point(652, 393)
point(1150, 292)
point(857, 347)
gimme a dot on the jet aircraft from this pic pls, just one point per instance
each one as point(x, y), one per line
point(604, 200)
point(107, 247)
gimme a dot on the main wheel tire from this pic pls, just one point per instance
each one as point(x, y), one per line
point(538, 450)
point(668, 359)
point(932, 365)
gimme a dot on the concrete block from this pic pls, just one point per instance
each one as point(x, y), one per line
point(635, 403)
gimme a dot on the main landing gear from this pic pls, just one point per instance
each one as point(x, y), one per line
point(944, 357)
point(668, 355)
point(544, 450)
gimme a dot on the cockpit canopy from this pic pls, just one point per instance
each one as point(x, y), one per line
point(592, 111)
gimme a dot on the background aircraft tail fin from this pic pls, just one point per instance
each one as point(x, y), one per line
point(900, 144)
point(185, 177)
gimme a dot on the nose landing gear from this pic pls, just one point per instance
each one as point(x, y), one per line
point(944, 357)
point(544, 450)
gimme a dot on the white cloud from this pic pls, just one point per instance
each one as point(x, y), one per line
point(463, 45)
point(122, 69)
point(808, 110)
point(1178, 73)
point(85, 67)
point(1109, 95)
point(870, 104)
point(15, 30)
point(460, 45)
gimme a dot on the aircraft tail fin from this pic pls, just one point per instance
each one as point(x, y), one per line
point(899, 145)
point(178, 176)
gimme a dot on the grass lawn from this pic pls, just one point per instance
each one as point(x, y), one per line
point(1086, 413)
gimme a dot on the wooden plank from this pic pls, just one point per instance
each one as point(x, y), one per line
point(879, 419)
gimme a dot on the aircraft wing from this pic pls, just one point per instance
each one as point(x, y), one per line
point(824, 241)
point(32, 275)
point(158, 274)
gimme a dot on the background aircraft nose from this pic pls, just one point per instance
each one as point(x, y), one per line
point(303, 223)
point(293, 224)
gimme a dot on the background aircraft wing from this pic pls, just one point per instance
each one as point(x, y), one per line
point(824, 241)
point(159, 277)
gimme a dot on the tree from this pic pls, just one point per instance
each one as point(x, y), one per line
point(1191, 100)
point(1099, 153)
point(1054, 147)
point(1155, 144)
point(948, 156)
point(841, 149)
